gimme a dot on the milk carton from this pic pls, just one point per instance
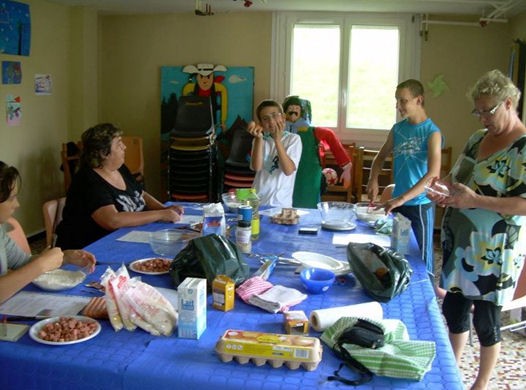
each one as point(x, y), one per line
point(192, 308)
point(401, 234)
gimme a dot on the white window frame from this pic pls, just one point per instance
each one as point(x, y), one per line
point(409, 66)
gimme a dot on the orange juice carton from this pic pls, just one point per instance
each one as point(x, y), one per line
point(296, 322)
point(223, 290)
point(275, 349)
point(192, 308)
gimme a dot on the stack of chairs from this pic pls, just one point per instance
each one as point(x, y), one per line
point(237, 172)
point(193, 152)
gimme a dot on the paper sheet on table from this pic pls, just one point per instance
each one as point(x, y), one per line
point(143, 236)
point(34, 304)
point(276, 210)
point(342, 239)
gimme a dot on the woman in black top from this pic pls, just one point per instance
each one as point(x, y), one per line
point(104, 195)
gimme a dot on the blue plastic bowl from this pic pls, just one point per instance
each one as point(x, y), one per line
point(317, 280)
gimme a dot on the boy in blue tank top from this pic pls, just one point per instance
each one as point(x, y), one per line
point(415, 143)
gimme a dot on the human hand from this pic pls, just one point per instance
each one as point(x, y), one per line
point(437, 191)
point(460, 196)
point(392, 204)
point(50, 259)
point(372, 190)
point(277, 128)
point(177, 209)
point(345, 177)
point(255, 130)
point(170, 215)
point(81, 258)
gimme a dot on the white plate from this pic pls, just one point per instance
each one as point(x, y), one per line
point(338, 226)
point(317, 260)
point(33, 331)
point(133, 265)
point(59, 279)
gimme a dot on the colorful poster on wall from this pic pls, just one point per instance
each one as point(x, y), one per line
point(231, 89)
point(43, 84)
point(15, 28)
point(11, 72)
point(13, 110)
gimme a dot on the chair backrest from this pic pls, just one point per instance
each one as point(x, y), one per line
point(52, 212)
point(134, 157)
point(362, 170)
point(70, 155)
point(194, 116)
point(17, 234)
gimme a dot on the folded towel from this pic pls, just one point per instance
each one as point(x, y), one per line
point(277, 299)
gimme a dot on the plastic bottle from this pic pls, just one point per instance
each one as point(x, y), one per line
point(253, 200)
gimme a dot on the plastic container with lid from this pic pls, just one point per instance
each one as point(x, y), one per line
point(250, 197)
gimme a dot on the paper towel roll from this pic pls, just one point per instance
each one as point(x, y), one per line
point(323, 318)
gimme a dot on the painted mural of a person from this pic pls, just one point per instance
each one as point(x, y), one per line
point(207, 84)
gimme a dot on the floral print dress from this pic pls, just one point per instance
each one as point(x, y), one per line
point(484, 250)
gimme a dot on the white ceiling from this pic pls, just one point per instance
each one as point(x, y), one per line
point(480, 8)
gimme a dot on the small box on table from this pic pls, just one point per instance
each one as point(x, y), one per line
point(192, 308)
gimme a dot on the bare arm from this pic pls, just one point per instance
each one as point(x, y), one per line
point(256, 155)
point(17, 279)
point(433, 170)
point(110, 218)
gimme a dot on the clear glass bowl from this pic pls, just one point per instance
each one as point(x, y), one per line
point(337, 213)
point(168, 242)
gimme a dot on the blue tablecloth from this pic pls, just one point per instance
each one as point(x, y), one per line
point(137, 360)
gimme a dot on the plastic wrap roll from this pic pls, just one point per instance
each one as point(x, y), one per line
point(323, 318)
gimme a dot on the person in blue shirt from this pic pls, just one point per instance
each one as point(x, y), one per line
point(415, 143)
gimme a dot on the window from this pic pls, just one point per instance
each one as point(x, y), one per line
point(348, 66)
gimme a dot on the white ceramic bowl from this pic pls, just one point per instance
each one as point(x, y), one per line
point(366, 212)
point(168, 242)
point(337, 213)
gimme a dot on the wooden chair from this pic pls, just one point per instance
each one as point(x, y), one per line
point(17, 234)
point(337, 192)
point(517, 304)
point(70, 155)
point(134, 158)
point(52, 212)
point(363, 163)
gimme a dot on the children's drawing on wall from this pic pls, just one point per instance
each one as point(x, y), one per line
point(231, 89)
point(11, 72)
point(13, 110)
point(15, 28)
point(43, 84)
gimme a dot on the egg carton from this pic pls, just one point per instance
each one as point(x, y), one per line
point(293, 351)
point(288, 216)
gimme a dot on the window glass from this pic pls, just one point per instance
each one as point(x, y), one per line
point(372, 77)
point(315, 69)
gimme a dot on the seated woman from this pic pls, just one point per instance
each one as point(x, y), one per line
point(17, 268)
point(104, 195)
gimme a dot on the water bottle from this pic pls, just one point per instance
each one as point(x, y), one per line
point(253, 200)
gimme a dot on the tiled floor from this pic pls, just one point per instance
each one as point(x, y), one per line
point(510, 373)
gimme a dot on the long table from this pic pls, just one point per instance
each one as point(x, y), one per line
point(137, 360)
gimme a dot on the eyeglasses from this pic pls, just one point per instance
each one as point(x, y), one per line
point(273, 115)
point(486, 113)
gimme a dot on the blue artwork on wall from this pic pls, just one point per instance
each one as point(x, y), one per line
point(11, 72)
point(15, 28)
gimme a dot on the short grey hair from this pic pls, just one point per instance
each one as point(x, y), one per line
point(494, 83)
